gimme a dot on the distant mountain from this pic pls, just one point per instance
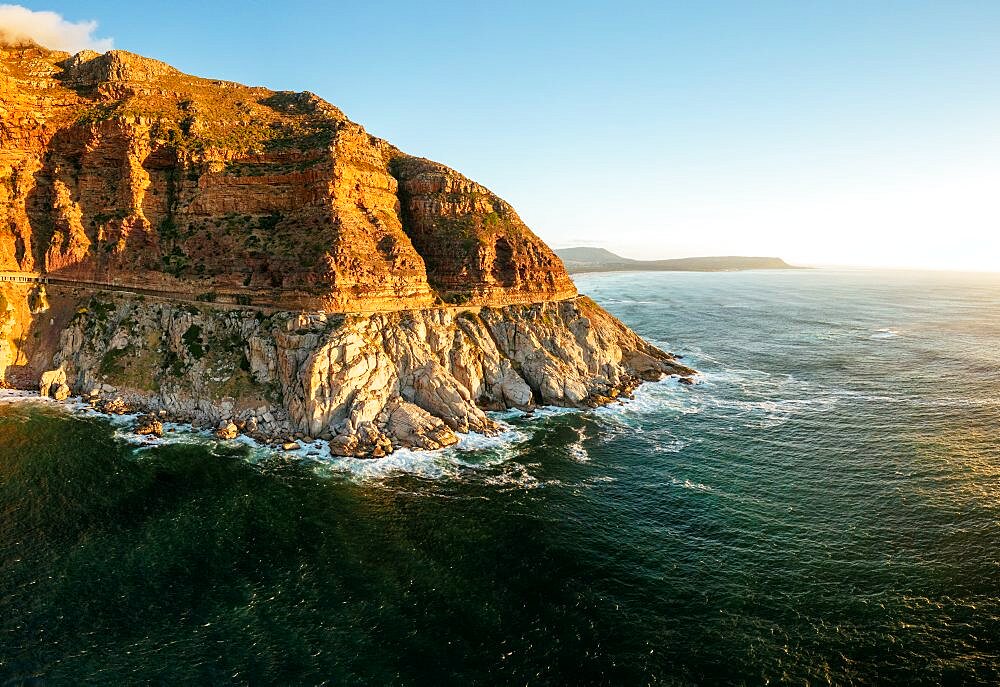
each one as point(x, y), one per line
point(585, 259)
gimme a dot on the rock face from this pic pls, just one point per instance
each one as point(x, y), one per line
point(18, 337)
point(51, 381)
point(253, 261)
point(118, 168)
point(476, 248)
point(368, 383)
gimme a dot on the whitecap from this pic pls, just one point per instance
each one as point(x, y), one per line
point(516, 476)
point(577, 451)
point(402, 461)
point(666, 395)
point(673, 446)
point(688, 484)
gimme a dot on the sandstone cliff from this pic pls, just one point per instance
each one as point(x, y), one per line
point(119, 168)
point(229, 253)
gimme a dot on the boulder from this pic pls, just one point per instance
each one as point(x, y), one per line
point(374, 443)
point(413, 427)
point(514, 391)
point(114, 406)
point(646, 366)
point(367, 441)
point(149, 426)
point(227, 430)
point(52, 379)
point(344, 445)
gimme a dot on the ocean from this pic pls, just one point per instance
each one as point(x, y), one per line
point(823, 507)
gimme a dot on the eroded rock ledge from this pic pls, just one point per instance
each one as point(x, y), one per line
point(368, 384)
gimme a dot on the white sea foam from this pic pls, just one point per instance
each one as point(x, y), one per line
point(420, 463)
point(688, 484)
point(761, 400)
point(674, 445)
point(667, 395)
point(19, 396)
point(494, 459)
point(537, 413)
point(885, 334)
point(472, 452)
point(518, 477)
point(576, 449)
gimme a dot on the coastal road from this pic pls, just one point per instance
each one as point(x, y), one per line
point(222, 300)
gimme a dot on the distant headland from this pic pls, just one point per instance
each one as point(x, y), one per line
point(586, 259)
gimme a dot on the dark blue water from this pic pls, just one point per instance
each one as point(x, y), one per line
point(824, 507)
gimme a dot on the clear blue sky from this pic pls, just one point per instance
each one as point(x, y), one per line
point(825, 132)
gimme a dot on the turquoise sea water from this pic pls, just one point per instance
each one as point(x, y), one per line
point(824, 507)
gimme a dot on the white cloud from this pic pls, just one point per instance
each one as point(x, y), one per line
point(18, 24)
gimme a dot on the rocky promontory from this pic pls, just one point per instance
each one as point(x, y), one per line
point(254, 261)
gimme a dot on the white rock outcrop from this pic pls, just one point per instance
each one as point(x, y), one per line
point(366, 383)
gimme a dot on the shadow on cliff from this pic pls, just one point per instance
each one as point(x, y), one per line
point(88, 237)
point(49, 232)
point(33, 318)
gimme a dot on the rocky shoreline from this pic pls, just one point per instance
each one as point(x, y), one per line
point(147, 426)
point(365, 384)
point(157, 424)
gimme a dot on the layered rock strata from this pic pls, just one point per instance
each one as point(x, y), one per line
point(117, 168)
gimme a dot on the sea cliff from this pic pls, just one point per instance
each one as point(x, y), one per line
point(254, 260)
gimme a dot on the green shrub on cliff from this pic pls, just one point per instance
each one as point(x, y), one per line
point(192, 339)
